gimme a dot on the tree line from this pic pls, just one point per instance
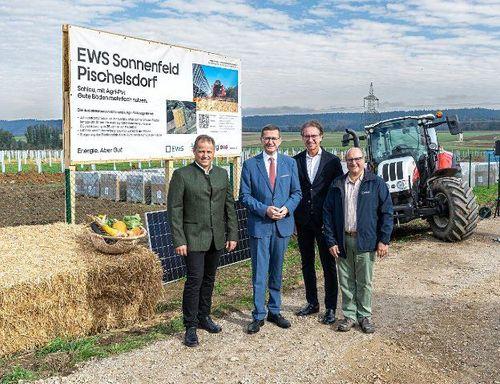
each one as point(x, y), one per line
point(473, 119)
point(39, 136)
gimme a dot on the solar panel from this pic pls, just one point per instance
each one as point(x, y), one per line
point(174, 266)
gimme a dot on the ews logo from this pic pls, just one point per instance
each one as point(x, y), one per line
point(174, 148)
point(92, 56)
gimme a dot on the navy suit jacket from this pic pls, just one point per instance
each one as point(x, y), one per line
point(310, 209)
point(256, 194)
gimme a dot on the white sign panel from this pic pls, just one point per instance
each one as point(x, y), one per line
point(137, 99)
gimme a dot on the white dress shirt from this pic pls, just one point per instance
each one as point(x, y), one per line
point(351, 202)
point(312, 163)
point(267, 163)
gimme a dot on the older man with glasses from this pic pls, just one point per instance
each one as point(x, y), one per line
point(358, 224)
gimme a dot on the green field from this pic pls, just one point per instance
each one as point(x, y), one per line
point(473, 140)
point(475, 143)
point(20, 138)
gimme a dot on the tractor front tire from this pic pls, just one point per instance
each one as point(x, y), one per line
point(463, 212)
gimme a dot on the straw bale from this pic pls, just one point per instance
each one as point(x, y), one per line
point(53, 283)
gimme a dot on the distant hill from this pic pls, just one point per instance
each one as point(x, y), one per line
point(473, 119)
point(18, 127)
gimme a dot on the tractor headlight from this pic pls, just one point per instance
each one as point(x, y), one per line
point(401, 184)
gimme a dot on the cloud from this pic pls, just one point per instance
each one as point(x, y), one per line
point(321, 11)
point(284, 2)
point(415, 52)
point(239, 9)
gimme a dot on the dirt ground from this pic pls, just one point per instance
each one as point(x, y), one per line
point(436, 308)
point(32, 198)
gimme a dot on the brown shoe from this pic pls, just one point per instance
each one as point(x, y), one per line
point(345, 324)
point(366, 325)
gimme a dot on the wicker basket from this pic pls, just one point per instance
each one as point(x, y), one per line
point(115, 245)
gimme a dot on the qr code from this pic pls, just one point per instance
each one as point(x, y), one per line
point(204, 121)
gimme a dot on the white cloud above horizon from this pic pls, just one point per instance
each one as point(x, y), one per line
point(320, 57)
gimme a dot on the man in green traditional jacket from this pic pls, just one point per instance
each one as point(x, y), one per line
point(200, 204)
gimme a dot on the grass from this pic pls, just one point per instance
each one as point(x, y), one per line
point(17, 374)
point(473, 140)
point(62, 345)
point(61, 356)
point(485, 195)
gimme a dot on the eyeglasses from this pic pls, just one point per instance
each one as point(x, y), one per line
point(354, 159)
point(267, 139)
point(314, 137)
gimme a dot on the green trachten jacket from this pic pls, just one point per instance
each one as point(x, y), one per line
point(199, 206)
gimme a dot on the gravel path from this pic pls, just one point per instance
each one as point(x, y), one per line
point(436, 307)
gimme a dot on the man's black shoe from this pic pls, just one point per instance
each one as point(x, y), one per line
point(190, 338)
point(254, 326)
point(329, 317)
point(278, 319)
point(208, 324)
point(308, 309)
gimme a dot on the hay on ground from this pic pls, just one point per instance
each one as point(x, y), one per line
point(216, 105)
point(53, 283)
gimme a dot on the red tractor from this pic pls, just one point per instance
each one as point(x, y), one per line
point(424, 181)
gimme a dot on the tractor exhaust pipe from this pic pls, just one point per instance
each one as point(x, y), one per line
point(348, 136)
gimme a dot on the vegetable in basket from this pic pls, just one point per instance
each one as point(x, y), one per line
point(103, 223)
point(132, 221)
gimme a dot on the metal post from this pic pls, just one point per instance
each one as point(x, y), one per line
point(497, 209)
point(236, 174)
point(470, 168)
point(169, 170)
point(489, 164)
point(67, 179)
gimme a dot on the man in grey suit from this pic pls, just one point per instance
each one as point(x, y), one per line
point(200, 203)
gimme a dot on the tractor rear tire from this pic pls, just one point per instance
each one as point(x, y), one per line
point(463, 210)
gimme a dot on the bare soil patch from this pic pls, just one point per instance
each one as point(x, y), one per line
point(33, 198)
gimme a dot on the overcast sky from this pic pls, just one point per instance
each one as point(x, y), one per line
point(308, 55)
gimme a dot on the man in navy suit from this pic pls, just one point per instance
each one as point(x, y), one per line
point(317, 169)
point(270, 190)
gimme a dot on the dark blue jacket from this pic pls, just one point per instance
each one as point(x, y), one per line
point(374, 219)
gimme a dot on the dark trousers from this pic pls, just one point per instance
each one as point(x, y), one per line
point(197, 296)
point(307, 235)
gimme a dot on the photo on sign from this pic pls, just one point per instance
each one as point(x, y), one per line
point(181, 117)
point(215, 88)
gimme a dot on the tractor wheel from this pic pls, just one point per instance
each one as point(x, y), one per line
point(461, 210)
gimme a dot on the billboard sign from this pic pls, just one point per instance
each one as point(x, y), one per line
point(134, 99)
